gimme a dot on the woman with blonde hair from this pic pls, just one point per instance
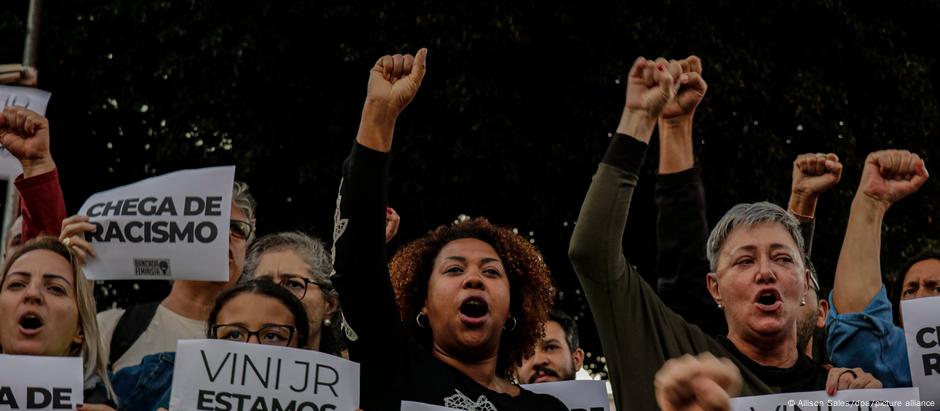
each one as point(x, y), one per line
point(47, 307)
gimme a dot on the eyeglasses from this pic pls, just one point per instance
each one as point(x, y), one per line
point(271, 334)
point(298, 285)
point(241, 229)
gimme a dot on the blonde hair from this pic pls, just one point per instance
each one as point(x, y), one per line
point(91, 349)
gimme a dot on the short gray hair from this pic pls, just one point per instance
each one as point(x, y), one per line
point(244, 200)
point(309, 249)
point(750, 215)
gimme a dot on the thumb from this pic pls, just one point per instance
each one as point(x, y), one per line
point(920, 175)
point(655, 101)
point(417, 73)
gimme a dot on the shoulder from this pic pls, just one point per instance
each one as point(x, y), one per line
point(107, 321)
point(542, 401)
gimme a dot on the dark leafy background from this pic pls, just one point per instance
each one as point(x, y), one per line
point(516, 110)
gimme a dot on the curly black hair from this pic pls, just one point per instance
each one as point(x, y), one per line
point(530, 284)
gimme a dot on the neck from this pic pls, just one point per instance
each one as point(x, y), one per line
point(481, 371)
point(313, 341)
point(193, 299)
point(776, 351)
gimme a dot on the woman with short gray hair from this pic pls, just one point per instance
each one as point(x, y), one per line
point(302, 265)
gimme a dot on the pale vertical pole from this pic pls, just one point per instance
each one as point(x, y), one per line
point(30, 57)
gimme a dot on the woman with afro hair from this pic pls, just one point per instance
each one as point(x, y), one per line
point(457, 309)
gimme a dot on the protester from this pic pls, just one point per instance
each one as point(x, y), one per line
point(257, 311)
point(47, 307)
point(757, 278)
point(697, 383)
point(302, 265)
point(473, 296)
point(558, 355)
point(860, 324)
point(156, 327)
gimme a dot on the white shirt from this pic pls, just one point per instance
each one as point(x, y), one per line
point(160, 336)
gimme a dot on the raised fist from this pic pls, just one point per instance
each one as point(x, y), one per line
point(394, 80)
point(691, 89)
point(891, 175)
point(813, 174)
point(651, 85)
point(25, 134)
point(697, 383)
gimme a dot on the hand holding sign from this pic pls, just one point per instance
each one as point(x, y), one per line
point(692, 383)
point(73, 236)
point(846, 378)
point(25, 134)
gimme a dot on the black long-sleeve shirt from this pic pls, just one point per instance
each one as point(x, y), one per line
point(394, 365)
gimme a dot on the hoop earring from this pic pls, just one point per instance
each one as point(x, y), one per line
point(513, 326)
point(418, 320)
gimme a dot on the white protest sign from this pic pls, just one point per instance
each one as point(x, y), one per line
point(922, 331)
point(173, 226)
point(889, 399)
point(217, 374)
point(577, 395)
point(40, 383)
point(420, 406)
point(31, 98)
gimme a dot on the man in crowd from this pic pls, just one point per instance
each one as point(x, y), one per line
point(558, 356)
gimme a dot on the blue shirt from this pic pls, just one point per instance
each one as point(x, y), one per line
point(869, 340)
point(145, 386)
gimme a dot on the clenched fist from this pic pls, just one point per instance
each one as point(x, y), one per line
point(891, 175)
point(25, 134)
point(394, 80)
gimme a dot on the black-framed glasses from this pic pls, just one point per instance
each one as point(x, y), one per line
point(270, 334)
point(241, 229)
point(298, 285)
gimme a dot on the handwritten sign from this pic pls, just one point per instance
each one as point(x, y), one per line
point(216, 374)
point(26, 382)
point(173, 226)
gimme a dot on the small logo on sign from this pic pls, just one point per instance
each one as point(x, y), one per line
point(152, 267)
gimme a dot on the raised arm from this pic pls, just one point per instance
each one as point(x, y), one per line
point(813, 174)
point(361, 274)
point(681, 224)
point(887, 177)
point(372, 323)
point(596, 248)
point(25, 134)
point(637, 331)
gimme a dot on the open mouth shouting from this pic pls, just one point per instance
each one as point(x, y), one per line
point(768, 300)
point(30, 323)
point(474, 311)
